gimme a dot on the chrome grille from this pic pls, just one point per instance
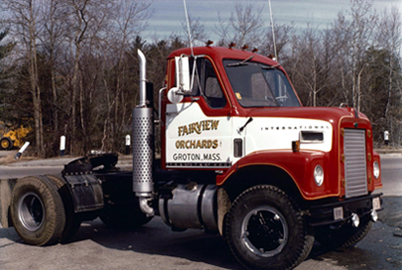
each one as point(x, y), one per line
point(355, 162)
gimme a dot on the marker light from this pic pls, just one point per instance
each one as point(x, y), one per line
point(376, 169)
point(209, 42)
point(296, 146)
point(318, 175)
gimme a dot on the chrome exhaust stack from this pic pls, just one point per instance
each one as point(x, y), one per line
point(143, 70)
point(143, 145)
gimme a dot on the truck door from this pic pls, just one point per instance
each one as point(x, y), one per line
point(199, 129)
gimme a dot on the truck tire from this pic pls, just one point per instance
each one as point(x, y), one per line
point(6, 143)
point(123, 217)
point(265, 230)
point(37, 211)
point(73, 221)
point(345, 236)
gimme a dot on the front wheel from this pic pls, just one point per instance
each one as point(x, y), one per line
point(265, 231)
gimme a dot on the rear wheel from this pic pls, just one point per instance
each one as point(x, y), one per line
point(6, 143)
point(37, 211)
point(265, 231)
point(73, 221)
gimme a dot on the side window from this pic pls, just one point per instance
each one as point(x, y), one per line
point(212, 88)
point(206, 84)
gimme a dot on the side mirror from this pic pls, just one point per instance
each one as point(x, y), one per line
point(175, 95)
point(183, 73)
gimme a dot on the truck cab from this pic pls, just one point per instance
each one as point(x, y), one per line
point(242, 111)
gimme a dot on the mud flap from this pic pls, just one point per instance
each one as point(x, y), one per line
point(85, 189)
point(86, 192)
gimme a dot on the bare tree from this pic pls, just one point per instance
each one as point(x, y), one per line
point(245, 26)
point(129, 20)
point(223, 31)
point(362, 29)
point(352, 38)
point(52, 38)
point(309, 67)
point(24, 16)
point(389, 37)
point(283, 35)
point(87, 20)
point(197, 30)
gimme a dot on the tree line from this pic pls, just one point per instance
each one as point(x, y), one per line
point(70, 67)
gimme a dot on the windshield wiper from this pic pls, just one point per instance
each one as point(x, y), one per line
point(241, 63)
point(271, 67)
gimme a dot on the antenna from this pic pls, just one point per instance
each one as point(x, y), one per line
point(188, 27)
point(272, 26)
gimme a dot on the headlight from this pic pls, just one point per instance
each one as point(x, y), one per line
point(318, 175)
point(376, 169)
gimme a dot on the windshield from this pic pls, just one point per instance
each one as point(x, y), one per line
point(260, 85)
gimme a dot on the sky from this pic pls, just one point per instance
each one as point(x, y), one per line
point(168, 15)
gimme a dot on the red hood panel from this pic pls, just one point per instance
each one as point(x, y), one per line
point(330, 114)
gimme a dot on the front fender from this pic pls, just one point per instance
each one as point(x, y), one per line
point(300, 168)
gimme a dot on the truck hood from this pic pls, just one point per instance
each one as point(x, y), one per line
point(329, 114)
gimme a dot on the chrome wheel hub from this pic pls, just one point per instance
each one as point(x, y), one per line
point(31, 211)
point(264, 231)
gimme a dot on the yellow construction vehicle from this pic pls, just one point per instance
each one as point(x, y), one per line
point(12, 137)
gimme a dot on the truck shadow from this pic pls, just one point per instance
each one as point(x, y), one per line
point(155, 238)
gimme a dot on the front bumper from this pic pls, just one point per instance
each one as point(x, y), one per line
point(341, 211)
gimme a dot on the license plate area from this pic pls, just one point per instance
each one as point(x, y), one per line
point(376, 203)
point(338, 213)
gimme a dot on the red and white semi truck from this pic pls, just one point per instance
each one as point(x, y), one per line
point(240, 156)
